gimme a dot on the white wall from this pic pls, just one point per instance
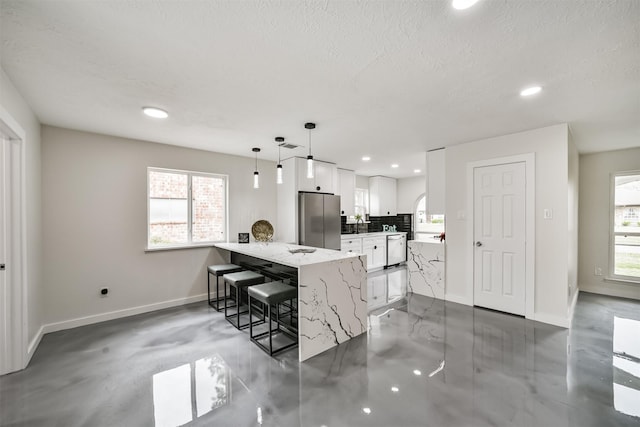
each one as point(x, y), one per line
point(595, 181)
point(551, 242)
point(408, 191)
point(572, 218)
point(95, 216)
point(13, 103)
point(362, 181)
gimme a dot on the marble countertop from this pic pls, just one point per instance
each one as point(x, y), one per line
point(372, 234)
point(279, 252)
point(428, 242)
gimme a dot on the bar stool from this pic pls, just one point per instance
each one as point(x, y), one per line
point(237, 282)
point(219, 270)
point(272, 294)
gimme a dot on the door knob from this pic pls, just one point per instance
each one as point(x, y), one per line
point(478, 244)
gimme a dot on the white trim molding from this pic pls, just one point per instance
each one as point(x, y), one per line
point(458, 299)
point(33, 345)
point(553, 319)
point(111, 315)
point(572, 307)
point(17, 317)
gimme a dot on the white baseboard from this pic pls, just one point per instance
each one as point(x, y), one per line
point(572, 306)
point(458, 299)
point(103, 317)
point(33, 345)
point(553, 319)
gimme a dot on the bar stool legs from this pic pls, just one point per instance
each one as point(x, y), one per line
point(237, 282)
point(219, 270)
point(273, 294)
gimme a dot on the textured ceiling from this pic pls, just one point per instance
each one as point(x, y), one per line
point(390, 79)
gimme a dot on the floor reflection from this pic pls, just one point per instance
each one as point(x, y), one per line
point(174, 401)
point(626, 366)
point(423, 362)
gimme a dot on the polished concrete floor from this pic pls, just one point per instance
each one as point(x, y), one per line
point(424, 362)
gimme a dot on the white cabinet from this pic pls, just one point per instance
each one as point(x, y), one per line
point(375, 248)
point(294, 174)
point(382, 196)
point(346, 191)
point(351, 245)
point(325, 176)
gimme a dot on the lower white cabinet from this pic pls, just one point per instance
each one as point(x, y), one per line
point(351, 245)
point(375, 248)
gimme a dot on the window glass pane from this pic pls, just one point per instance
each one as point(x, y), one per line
point(209, 208)
point(168, 208)
point(627, 225)
point(361, 201)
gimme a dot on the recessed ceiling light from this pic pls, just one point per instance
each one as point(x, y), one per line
point(366, 158)
point(366, 410)
point(395, 165)
point(155, 112)
point(463, 4)
point(530, 91)
point(417, 372)
point(395, 389)
point(417, 171)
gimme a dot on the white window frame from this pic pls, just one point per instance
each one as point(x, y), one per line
point(189, 243)
point(352, 218)
point(612, 232)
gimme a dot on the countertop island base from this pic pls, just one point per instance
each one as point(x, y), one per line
point(332, 291)
point(425, 265)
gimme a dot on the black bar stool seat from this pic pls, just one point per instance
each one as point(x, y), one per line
point(272, 294)
point(237, 282)
point(219, 270)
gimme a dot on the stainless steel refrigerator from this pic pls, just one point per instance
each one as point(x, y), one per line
point(319, 220)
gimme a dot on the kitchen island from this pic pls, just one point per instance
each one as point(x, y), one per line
point(425, 265)
point(332, 290)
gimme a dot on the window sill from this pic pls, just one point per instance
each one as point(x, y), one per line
point(621, 280)
point(173, 248)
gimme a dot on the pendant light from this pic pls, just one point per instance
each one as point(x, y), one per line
point(256, 174)
point(310, 126)
point(279, 140)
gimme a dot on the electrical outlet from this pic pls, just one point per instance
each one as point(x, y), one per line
point(598, 271)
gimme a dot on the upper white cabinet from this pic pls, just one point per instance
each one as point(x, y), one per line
point(435, 182)
point(325, 176)
point(294, 174)
point(382, 196)
point(346, 191)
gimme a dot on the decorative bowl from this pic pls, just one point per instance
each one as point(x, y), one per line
point(262, 230)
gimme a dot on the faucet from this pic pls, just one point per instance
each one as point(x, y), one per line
point(357, 228)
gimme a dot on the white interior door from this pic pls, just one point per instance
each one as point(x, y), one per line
point(5, 309)
point(499, 217)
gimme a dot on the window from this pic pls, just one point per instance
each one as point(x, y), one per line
point(626, 226)
point(361, 202)
point(427, 224)
point(185, 208)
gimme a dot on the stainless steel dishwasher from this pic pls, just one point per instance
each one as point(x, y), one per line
point(396, 249)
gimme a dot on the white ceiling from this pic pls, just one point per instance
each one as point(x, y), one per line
point(390, 79)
